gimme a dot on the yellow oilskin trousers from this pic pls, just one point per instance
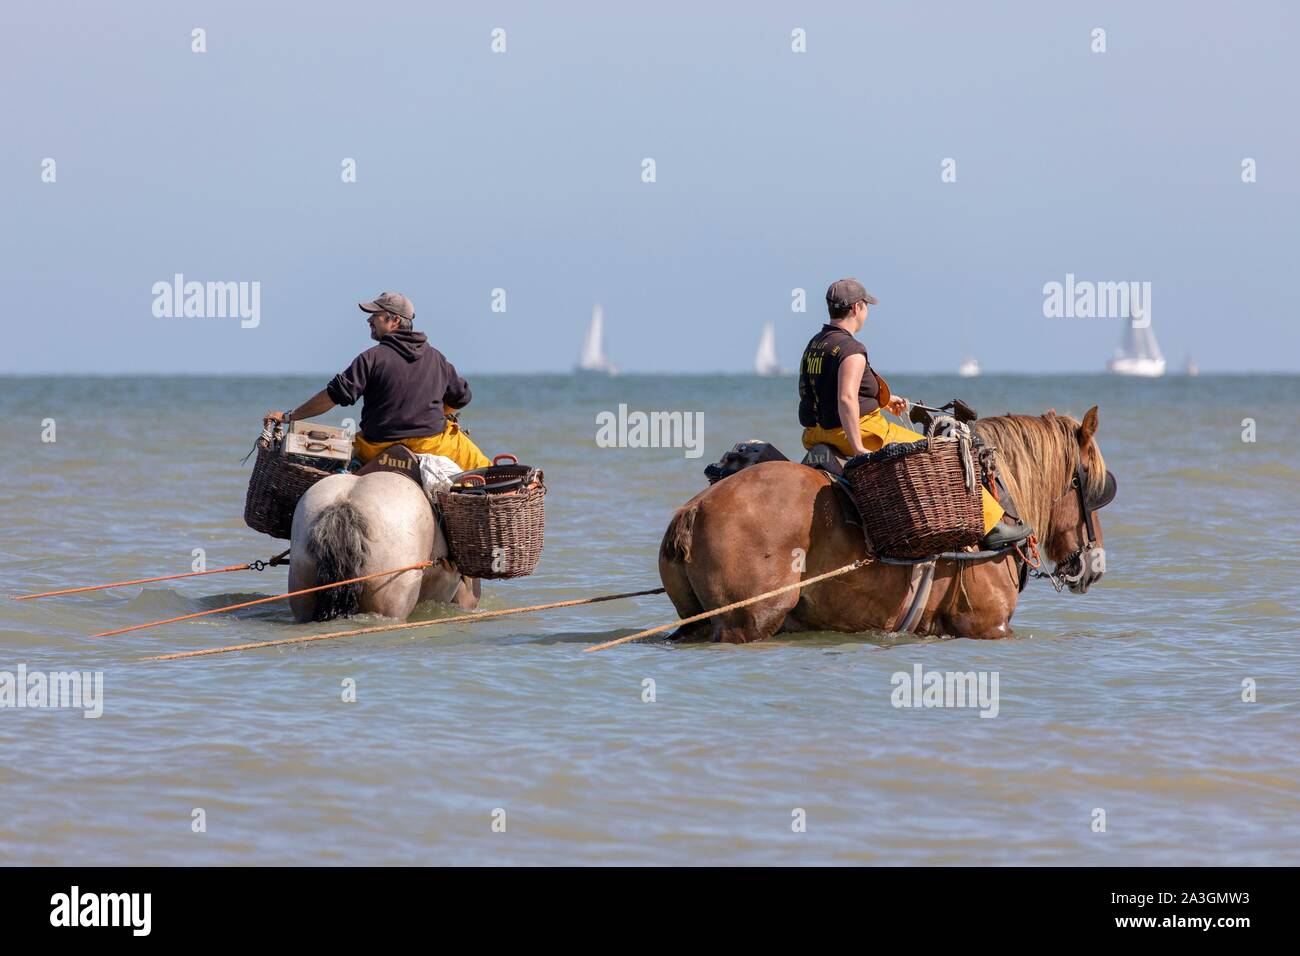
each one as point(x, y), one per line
point(452, 443)
point(877, 432)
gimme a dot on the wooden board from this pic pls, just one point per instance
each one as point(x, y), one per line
point(312, 440)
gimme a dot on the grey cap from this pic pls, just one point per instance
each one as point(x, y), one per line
point(393, 302)
point(846, 293)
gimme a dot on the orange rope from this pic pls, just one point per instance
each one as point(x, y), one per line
point(458, 619)
point(853, 566)
point(274, 597)
point(165, 577)
point(1035, 562)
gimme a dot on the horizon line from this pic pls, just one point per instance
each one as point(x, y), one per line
point(631, 373)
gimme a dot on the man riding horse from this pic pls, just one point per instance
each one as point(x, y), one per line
point(841, 399)
point(409, 386)
point(353, 525)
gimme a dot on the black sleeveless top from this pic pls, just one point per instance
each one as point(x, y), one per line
point(819, 378)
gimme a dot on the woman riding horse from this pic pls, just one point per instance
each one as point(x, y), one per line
point(778, 522)
point(841, 397)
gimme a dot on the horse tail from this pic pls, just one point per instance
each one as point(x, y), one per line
point(674, 552)
point(676, 545)
point(338, 545)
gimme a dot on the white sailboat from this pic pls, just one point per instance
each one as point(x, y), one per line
point(969, 368)
point(593, 359)
point(1138, 354)
point(1191, 366)
point(766, 362)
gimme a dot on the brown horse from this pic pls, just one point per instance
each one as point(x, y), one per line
point(775, 522)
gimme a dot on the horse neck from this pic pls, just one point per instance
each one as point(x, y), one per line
point(1035, 474)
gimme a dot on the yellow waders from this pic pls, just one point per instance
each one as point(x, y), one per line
point(878, 431)
point(452, 443)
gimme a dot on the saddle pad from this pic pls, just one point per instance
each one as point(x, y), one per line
point(825, 458)
point(395, 458)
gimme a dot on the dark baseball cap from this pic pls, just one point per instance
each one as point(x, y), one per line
point(847, 293)
point(393, 302)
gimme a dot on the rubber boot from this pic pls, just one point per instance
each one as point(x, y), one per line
point(1011, 529)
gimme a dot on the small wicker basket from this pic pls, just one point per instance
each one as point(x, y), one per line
point(495, 519)
point(913, 498)
point(274, 488)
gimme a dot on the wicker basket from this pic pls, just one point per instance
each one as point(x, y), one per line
point(495, 520)
point(913, 499)
point(276, 485)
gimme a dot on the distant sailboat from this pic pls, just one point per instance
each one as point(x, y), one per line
point(593, 359)
point(766, 362)
point(969, 368)
point(1191, 366)
point(1138, 354)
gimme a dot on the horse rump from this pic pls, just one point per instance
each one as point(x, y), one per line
point(337, 545)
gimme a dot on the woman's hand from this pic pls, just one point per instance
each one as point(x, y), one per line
point(898, 404)
point(274, 416)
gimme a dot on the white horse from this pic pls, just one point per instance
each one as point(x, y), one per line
point(348, 526)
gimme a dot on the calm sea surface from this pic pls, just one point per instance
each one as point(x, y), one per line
point(1127, 699)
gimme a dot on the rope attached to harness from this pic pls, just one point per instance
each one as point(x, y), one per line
point(730, 607)
point(257, 565)
point(274, 597)
point(458, 619)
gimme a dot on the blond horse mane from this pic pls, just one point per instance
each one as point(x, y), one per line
point(1031, 449)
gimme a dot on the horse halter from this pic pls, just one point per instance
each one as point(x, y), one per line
point(1083, 552)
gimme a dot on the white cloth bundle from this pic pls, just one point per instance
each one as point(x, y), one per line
point(436, 472)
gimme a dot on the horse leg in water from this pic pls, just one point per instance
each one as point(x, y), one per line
point(441, 583)
point(995, 583)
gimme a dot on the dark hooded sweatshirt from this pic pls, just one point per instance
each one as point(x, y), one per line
point(405, 382)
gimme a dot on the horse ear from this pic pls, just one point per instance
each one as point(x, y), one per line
point(1088, 428)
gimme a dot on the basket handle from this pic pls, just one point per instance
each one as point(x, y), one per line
point(513, 459)
point(468, 479)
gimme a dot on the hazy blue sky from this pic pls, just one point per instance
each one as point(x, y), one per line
point(522, 171)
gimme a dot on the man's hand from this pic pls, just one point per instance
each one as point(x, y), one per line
point(898, 404)
point(318, 404)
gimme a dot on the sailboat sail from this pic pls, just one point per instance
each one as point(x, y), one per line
point(593, 357)
point(1138, 353)
point(766, 362)
point(1140, 344)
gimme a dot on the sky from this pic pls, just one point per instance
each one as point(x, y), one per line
point(523, 171)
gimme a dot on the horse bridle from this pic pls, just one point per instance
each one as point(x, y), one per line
point(1084, 551)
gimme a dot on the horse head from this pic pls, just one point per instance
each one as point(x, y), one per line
point(1059, 480)
point(1073, 539)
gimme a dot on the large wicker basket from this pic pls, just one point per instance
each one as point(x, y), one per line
point(913, 498)
point(495, 520)
point(274, 488)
